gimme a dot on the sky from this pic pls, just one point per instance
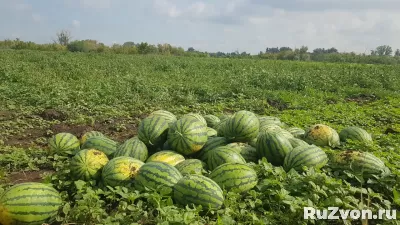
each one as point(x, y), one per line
point(210, 25)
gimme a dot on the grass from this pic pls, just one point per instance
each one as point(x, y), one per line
point(43, 93)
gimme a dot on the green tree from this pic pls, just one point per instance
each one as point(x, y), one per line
point(397, 53)
point(63, 37)
point(384, 50)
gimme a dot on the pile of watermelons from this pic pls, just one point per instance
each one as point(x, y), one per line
point(196, 156)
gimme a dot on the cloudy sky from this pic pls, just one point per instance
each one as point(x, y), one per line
point(210, 25)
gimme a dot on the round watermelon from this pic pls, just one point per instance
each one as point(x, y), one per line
point(242, 127)
point(191, 166)
point(295, 142)
point(221, 155)
point(211, 120)
point(87, 164)
point(355, 134)
point(64, 143)
point(153, 131)
point(211, 132)
point(90, 134)
point(121, 171)
point(309, 156)
point(166, 156)
point(322, 135)
point(274, 147)
point(296, 132)
point(248, 152)
point(187, 135)
point(134, 148)
point(197, 190)
point(269, 120)
point(235, 177)
point(29, 203)
point(101, 143)
point(154, 175)
point(196, 116)
point(168, 116)
point(211, 143)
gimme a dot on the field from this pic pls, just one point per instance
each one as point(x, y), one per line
point(45, 93)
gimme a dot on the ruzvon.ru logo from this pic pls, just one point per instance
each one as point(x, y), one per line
point(334, 213)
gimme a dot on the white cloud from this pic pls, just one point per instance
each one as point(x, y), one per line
point(76, 23)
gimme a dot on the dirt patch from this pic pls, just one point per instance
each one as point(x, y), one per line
point(27, 138)
point(52, 114)
point(29, 176)
point(6, 115)
point(362, 98)
point(77, 130)
point(278, 104)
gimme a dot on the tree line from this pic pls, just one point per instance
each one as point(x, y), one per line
point(64, 42)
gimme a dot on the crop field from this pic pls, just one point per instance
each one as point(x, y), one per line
point(46, 93)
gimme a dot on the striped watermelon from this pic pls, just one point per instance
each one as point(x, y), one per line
point(64, 143)
point(309, 156)
point(322, 135)
point(170, 157)
point(87, 164)
point(211, 143)
point(248, 152)
point(166, 146)
point(296, 132)
point(196, 116)
point(154, 175)
point(191, 166)
point(211, 120)
point(29, 203)
point(121, 171)
point(274, 147)
point(101, 143)
point(134, 148)
point(168, 116)
point(220, 127)
point(358, 162)
point(295, 142)
point(221, 155)
point(355, 134)
point(242, 127)
point(269, 120)
point(211, 132)
point(253, 142)
point(235, 177)
point(272, 128)
point(187, 135)
point(153, 131)
point(89, 134)
point(198, 190)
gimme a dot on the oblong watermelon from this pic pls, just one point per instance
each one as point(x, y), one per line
point(242, 127)
point(29, 203)
point(248, 152)
point(211, 132)
point(296, 132)
point(101, 143)
point(153, 131)
point(191, 166)
point(64, 143)
point(269, 120)
point(121, 171)
point(89, 134)
point(221, 155)
point(197, 190)
point(154, 175)
point(309, 156)
point(87, 164)
point(170, 157)
point(355, 134)
point(187, 135)
point(235, 177)
point(295, 142)
point(134, 148)
point(211, 120)
point(322, 135)
point(274, 147)
point(211, 143)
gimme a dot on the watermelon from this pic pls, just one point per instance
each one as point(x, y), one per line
point(166, 146)
point(196, 116)
point(191, 166)
point(270, 128)
point(101, 143)
point(166, 156)
point(211, 132)
point(295, 142)
point(134, 148)
point(154, 175)
point(168, 116)
point(87, 164)
point(211, 120)
point(274, 147)
point(153, 131)
point(322, 135)
point(296, 132)
point(221, 155)
point(309, 156)
point(364, 163)
point(64, 143)
point(211, 143)
point(89, 134)
point(269, 120)
point(242, 127)
point(220, 127)
point(29, 203)
point(235, 177)
point(197, 190)
point(248, 152)
point(187, 135)
point(121, 171)
point(355, 134)
point(253, 142)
